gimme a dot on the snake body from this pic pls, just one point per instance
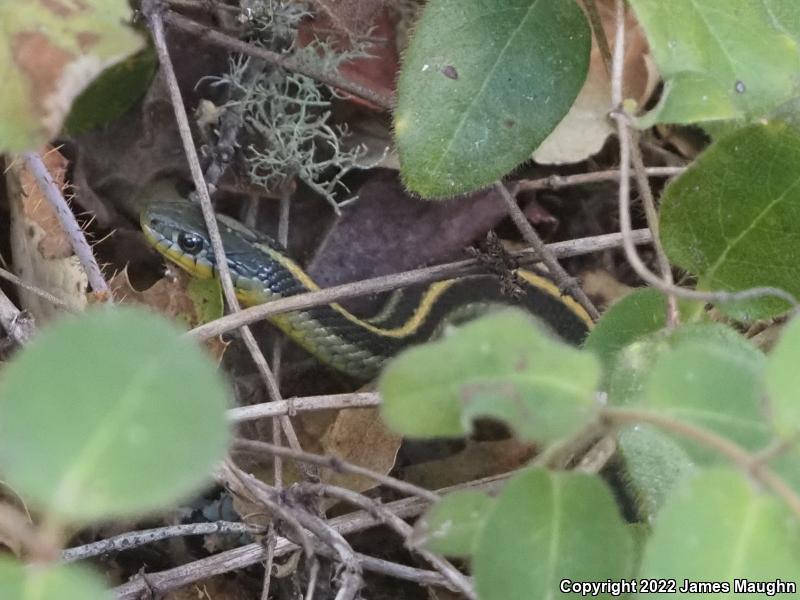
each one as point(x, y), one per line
point(262, 271)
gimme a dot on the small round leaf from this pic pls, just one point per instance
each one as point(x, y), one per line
point(42, 582)
point(110, 413)
point(547, 527)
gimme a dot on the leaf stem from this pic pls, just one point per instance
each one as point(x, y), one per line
point(622, 119)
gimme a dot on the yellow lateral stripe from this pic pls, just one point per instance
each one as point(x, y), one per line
point(549, 288)
point(429, 298)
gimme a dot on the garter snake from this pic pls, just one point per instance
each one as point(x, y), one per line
point(262, 271)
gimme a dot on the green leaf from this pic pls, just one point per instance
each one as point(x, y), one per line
point(715, 385)
point(783, 380)
point(451, 526)
point(502, 365)
point(732, 218)
point(482, 85)
point(721, 59)
point(785, 463)
point(634, 363)
point(633, 316)
point(719, 526)
point(111, 413)
point(206, 295)
point(43, 582)
point(654, 464)
point(113, 93)
point(50, 52)
point(546, 527)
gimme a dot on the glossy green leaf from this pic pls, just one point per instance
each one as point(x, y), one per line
point(482, 85)
point(110, 413)
point(783, 380)
point(634, 363)
point(732, 218)
point(787, 465)
point(721, 59)
point(715, 385)
point(633, 316)
point(49, 53)
point(653, 464)
point(504, 366)
point(42, 582)
point(113, 93)
point(546, 527)
point(451, 526)
point(718, 526)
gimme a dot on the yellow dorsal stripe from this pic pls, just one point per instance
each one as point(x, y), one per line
point(429, 298)
point(427, 301)
point(549, 288)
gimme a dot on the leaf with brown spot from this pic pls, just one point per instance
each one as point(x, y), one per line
point(50, 51)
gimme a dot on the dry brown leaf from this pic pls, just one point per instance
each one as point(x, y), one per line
point(477, 460)
point(41, 251)
point(222, 587)
point(603, 288)
point(585, 128)
point(359, 436)
point(339, 23)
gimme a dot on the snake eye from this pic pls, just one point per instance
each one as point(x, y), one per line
point(191, 243)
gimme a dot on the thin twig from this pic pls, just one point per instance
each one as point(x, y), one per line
point(159, 38)
point(288, 62)
point(599, 33)
point(453, 575)
point(651, 213)
point(277, 344)
point(243, 484)
point(312, 580)
point(132, 539)
point(556, 182)
point(743, 459)
point(622, 119)
point(387, 283)
point(250, 554)
point(272, 541)
point(565, 281)
point(292, 406)
point(51, 191)
point(230, 123)
point(42, 293)
point(277, 351)
point(261, 492)
point(19, 324)
point(336, 465)
point(204, 5)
